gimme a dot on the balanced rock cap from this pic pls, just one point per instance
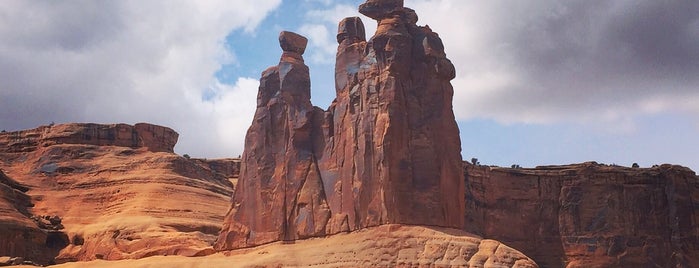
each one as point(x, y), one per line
point(380, 9)
point(292, 42)
point(351, 28)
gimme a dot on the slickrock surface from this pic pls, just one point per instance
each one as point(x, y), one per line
point(589, 215)
point(386, 151)
point(384, 246)
point(93, 199)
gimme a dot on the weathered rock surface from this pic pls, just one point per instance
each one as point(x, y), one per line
point(278, 160)
point(386, 151)
point(384, 246)
point(589, 215)
point(224, 167)
point(153, 138)
point(20, 237)
point(113, 195)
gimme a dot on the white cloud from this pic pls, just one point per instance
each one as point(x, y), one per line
point(321, 27)
point(128, 61)
point(321, 45)
point(324, 2)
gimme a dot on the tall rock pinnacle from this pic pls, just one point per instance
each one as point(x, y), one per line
point(386, 151)
point(279, 162)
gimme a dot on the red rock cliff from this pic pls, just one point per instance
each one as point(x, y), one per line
point(19, 234)
point(386, 151)
point(79, 192)
point(154, 138)
point(589, 215)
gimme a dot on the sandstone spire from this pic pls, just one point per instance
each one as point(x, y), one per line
point(386, 151)
point(280, 179)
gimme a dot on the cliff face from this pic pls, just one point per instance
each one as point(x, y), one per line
point(142, 135)
point(386, 151)
point(20, 236)
point(89, 191)
point(589, 215)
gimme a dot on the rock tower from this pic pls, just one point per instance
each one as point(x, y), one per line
point(387, 150)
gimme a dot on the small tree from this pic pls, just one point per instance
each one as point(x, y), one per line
point(474, 161)
point(635, 165)
point(186, 156)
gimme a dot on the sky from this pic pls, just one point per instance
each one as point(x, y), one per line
point(538, 83)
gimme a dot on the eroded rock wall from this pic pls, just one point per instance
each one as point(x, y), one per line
point(154, 138)
point(19, 234)
point(589, 215)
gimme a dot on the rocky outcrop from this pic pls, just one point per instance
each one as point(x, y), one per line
point(142, 135)
point(224, 167)
point(107, 196)
point(589, 215)
point(386, 151)
point(20, 237)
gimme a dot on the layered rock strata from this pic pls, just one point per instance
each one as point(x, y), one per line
point(116, 194)
point(142, 135)
point(20, 236)
point(386, 151)
point(589, 215)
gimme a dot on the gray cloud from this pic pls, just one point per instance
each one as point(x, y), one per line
point(127, 61)
point(551, 61)
point(599, 63)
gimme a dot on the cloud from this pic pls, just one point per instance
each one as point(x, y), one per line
point(128, 61)
point(575, 61)
point(321, 45)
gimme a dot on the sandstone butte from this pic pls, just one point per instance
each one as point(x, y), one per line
point(376, 180)
point(78, 192)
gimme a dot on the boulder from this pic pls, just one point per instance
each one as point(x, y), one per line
point(380, 9)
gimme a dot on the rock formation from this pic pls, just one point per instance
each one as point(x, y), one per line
point(589, 215)
point(388, 245)
point(88, 191)
point(142, 135)
point(280, 175)
point(386, 151)
point(19, 234)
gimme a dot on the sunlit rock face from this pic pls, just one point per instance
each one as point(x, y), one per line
point(387, 150)
point(80, 192)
